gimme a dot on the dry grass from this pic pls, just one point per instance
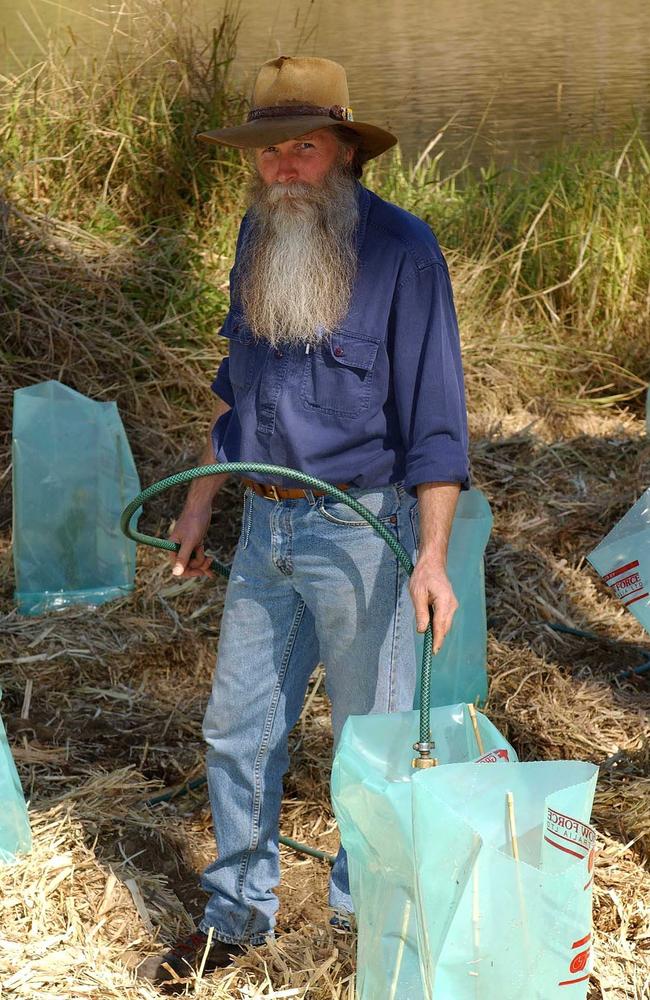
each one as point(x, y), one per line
point(118, 696)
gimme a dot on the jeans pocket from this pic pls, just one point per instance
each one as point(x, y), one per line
point(246, 518)
point(383, 503)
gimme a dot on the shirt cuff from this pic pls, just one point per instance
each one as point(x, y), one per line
point(453, 469)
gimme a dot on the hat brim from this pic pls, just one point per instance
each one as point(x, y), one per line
point(268, 131)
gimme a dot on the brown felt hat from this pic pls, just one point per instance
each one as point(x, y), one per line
point(293, 97)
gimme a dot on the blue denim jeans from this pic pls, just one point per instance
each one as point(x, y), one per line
point(310, 583)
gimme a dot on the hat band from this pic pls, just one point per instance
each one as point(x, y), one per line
point(337, 112)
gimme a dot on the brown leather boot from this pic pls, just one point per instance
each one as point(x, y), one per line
point(178, 966)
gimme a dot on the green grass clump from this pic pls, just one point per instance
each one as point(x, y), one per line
point(118, 231)
point(561, 254)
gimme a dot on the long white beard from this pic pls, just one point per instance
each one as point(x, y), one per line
point(300, 261)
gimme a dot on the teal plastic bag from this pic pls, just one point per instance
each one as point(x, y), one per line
point(372, 781)
point(73, 473)
point(459, 671)
point(15, 834)
point(622, 559)
point(443, 909)
point(508, 928)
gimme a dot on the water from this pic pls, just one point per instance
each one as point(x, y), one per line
point(520, 77)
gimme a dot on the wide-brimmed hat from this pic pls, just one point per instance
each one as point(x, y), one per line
point(292, 97)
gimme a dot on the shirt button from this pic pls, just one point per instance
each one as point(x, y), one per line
point(278, 354)
point(338, 352)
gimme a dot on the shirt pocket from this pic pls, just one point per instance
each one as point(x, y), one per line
point(338, 375)
point(242, 351)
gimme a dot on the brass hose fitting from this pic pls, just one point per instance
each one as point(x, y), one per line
point(425, 759)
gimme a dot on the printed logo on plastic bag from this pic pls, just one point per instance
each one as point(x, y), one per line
point(567, 834)
point(626, 583)
point(494, 756)
point(622, 559)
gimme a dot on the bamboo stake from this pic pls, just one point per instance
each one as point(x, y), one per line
point(476, 906)
point(476, 926)
point(400, 950)
point(479, 742)
point(514, 842)
point(204, 958)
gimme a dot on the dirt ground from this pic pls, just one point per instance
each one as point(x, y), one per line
point(118, 696)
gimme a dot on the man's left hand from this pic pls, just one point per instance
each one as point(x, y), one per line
point(430, 588)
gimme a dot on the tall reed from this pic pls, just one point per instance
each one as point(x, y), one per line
point(562, 253)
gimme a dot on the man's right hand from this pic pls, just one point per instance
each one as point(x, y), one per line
point(189, 531)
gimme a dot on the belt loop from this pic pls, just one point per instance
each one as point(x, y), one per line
point(309, 496)
point(274, 491)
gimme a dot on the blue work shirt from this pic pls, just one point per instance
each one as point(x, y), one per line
point(381, 400)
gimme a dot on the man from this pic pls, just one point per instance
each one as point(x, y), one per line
point(343, 363)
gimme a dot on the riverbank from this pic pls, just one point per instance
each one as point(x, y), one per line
point(119, 229)
point(118, 234)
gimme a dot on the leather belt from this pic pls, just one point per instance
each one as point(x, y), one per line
point(270, 492)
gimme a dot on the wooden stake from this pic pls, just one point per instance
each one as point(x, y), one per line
point(476, 926)
point(479, 742)
point(513, 826)
point(400, 950)
point(514, 842)
point(204, 959)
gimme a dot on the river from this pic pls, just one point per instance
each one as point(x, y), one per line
point(510, 78)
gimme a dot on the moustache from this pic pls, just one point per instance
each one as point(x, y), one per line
point(278, 192)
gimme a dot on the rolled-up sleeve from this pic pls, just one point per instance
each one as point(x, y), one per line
point(427, 379)
point(221, 385)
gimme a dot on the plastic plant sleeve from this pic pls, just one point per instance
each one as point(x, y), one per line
point(515, 928)
point(73, 473)
point(15, 834)
point(372, 797)
point(622, 559)
point(460, 668)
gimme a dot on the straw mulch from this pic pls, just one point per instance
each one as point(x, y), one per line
point(117, 700)
point(117, 695)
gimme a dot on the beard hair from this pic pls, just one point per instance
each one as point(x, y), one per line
point(300, 262)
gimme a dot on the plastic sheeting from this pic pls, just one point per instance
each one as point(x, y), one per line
point(15, 834)
point(622, 559)
point(443, 909)
point(73, 473)
point(459, 669)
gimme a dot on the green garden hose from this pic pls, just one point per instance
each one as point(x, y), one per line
point(425, 744)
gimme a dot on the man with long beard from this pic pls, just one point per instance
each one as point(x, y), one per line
point(344, 363)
